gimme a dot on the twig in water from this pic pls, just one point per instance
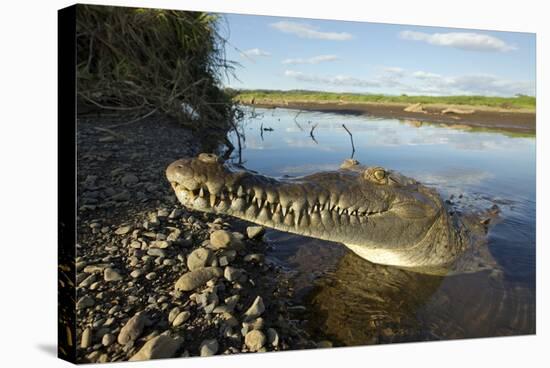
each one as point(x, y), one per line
point(262, 131)
point(351, 137)
point(311, 133)
point(296, 121)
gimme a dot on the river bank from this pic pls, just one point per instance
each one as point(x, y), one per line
point(155, 280)
point(514, 121)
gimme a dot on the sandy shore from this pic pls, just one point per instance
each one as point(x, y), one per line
point(489, 118)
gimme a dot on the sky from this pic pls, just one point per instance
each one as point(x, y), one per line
point(338, 56)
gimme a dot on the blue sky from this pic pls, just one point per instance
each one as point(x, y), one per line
point(294, 53)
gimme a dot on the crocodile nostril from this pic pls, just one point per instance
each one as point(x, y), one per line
point(209, 158)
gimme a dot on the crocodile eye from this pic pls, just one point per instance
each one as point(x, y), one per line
point(376, 174)
point(380, 174)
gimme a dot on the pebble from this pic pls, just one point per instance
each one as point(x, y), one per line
point(123, 230)
point(254, 232)
point(254, 257)
point(162, 244)
point(129, 179)
point(255, 340)
point(199, 258)
point(85, 302)
point(193, 279)
point(110, 274)
point(86, 340)
point(233, 274)
point(136, 273)
point(108, 339)
point(181, 318)
point(272, 337)
point(88, 281)
point(209, 347)
point(173, 314)
point(220, 239)
point(162, 346)
point(132, 329)
point(324, 344)
point(256, 309)
point(156, 252)
point(151, 276)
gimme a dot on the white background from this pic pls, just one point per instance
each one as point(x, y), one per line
point(28, 144)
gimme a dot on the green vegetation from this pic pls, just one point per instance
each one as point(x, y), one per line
point(274, 97)
point(145, 61)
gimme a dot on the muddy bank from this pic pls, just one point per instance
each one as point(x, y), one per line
point(509, 121)
point(155, 280)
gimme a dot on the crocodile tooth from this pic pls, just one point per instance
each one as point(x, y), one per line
point(285, 210)
point(201, 192)
point(240, 191)
point(212, 200)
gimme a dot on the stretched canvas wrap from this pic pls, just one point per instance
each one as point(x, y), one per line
point(247, 184)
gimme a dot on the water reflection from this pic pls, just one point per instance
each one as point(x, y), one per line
point(364, 303)
point(352, 301)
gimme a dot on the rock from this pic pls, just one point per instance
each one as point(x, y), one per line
point(162, 244)
point(199, 258)
point(110, 274)
point(233, 274)
point(176, 212)
point(255, 340)
point(136, 273)
point(193, 279)
point(254, 257)
point(135, 244)
point(151, 276)
point(173, 314)
point(324, 344)
point(132, 329)
point(229, 319)
point(86, 340)
point(123, 230)
point(223, 261)
point(88, 281)
point(272, 337)
point(209, 347)
point(85, 302)
point(96, 268)
point(156, 252)
point(256, 324)
point(162, 346)
point(108, 339)
point(220, 239)
point(254, 232)
point(256, 309)
point(129, 179)
point(181, 318)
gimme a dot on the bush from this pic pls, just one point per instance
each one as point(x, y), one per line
point(148, 60)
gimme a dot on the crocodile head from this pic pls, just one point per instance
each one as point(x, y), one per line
point(379, 214)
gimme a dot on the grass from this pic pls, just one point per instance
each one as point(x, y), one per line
point(274, 97)
point(143, 61)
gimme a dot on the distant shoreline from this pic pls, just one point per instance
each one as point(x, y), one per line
point(510, 120)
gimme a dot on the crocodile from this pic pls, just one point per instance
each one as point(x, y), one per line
point(379, 214)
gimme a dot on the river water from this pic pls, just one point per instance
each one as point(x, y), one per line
point(351, 301)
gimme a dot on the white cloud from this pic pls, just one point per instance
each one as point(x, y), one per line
point(338, 80)
point(460, 40)
point(422, 82)
point(304, 30)
point(425, 75)
point(255, 52)
point(312, 60)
